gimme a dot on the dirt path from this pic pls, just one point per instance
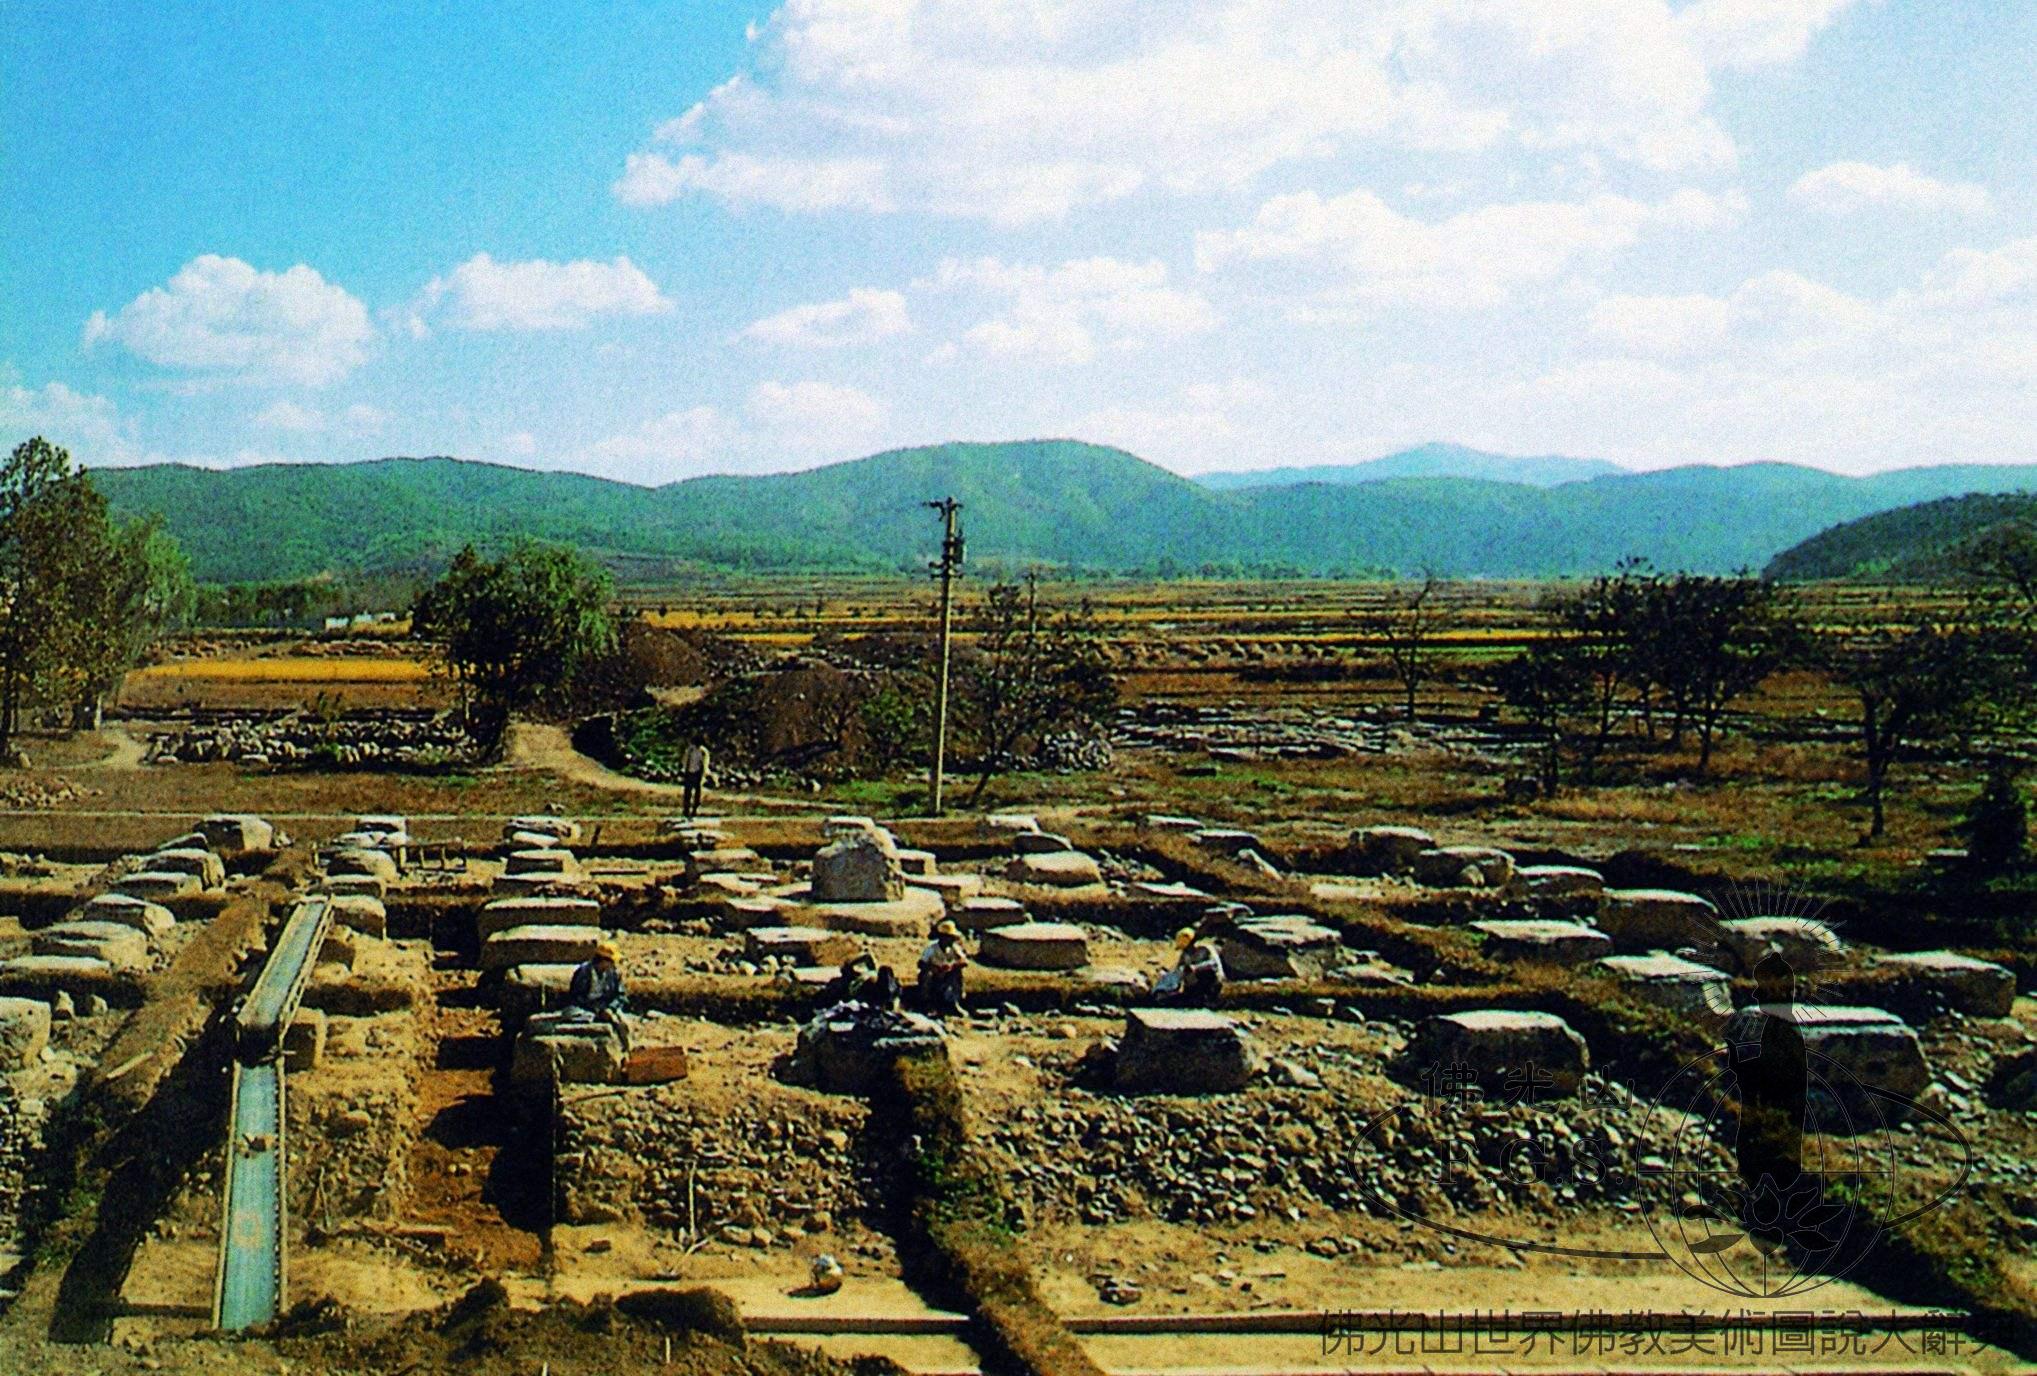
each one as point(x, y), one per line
point(549, 749)
point(126, 756)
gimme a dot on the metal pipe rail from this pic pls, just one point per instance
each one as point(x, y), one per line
point(270, 1005)
point(250, 1283)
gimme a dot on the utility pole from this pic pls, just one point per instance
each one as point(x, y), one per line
point(946, 568)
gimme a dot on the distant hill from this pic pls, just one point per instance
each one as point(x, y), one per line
point(1052, 502)
point(1424, 461)
point(1909, 543)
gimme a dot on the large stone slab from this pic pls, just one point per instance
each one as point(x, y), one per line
point(800, 945)
point(500, 914)
point(953, 889)
point(392, 827)
point(1642, 920)
point(553, 1047)
point(912, 914)
point(553, 862)
point(24, 1032)
point(1667, 981)
point(1560, 882)
point(528, 989)
point(558, 828)
point(233, 833)
point(857, 867)
point(42, 976)
point(530, 885)
point(1278, 947)
point(367, 885)
point(118, 945)
point(1060, 869)
point(1546, 940)
point(204, 865)
point(1183, 1051)
point(917, 864)
point(1040, 843)
point(1510, 1056)
point(1809, 946)
point(157, 885)
point(724, 859)
point(1035, 946)
point(1979, 988)
point(361, 913)
point(304, 1040)
point(152, 920)
point(1009, 824)
point(1864, 1049)
point(1464, 867)
point(848, 824)
point(982, 913)
point(1162, 821)
point(1388, 850)
point(539, 945)
point(1227, 840)
point(359, 860)
point(850, 1049)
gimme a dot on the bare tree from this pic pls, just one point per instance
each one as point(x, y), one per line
point(1408, 627)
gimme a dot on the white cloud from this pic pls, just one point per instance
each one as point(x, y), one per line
point(222, 318)
point(1066, 314)
point(1364, 253)
point(782, 425)
point(482, 294)
point(1016, 111)
point(1846, 188)
point(289, 416)
point(1756, 33)
point(87, 425)
point(1789, 368)
point(1201, 427)
point(864, 316)
point(738, 179)
point(292, 418)
point(811, 412)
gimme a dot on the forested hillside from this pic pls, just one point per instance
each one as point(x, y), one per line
point(1053, 502)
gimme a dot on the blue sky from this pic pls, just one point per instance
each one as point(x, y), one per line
point(655, 240)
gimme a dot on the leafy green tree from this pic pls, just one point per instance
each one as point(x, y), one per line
point(512, 632)
point(1032, 670)
point(1593, 644)
point(80, 597)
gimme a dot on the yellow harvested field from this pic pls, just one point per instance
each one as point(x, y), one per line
point(287, 669)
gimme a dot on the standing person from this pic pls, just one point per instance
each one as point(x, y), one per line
point(595, 993)
point(940, 971)
point(693, 774)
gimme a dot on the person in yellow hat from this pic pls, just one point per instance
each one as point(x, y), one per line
point(1197, 978)
point(941, 963)
point(596, 991)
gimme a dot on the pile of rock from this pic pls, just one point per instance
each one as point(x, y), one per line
point(747, 1173)
point(387, 743)
point(1278, 1154)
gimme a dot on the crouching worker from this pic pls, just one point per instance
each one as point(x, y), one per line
point(863, 981)
point(1197, 979)
point(940, 971)
point(596, 994)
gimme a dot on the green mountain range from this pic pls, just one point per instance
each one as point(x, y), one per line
point(1909, 543)
point(1424, 461)
point(1053, 502)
